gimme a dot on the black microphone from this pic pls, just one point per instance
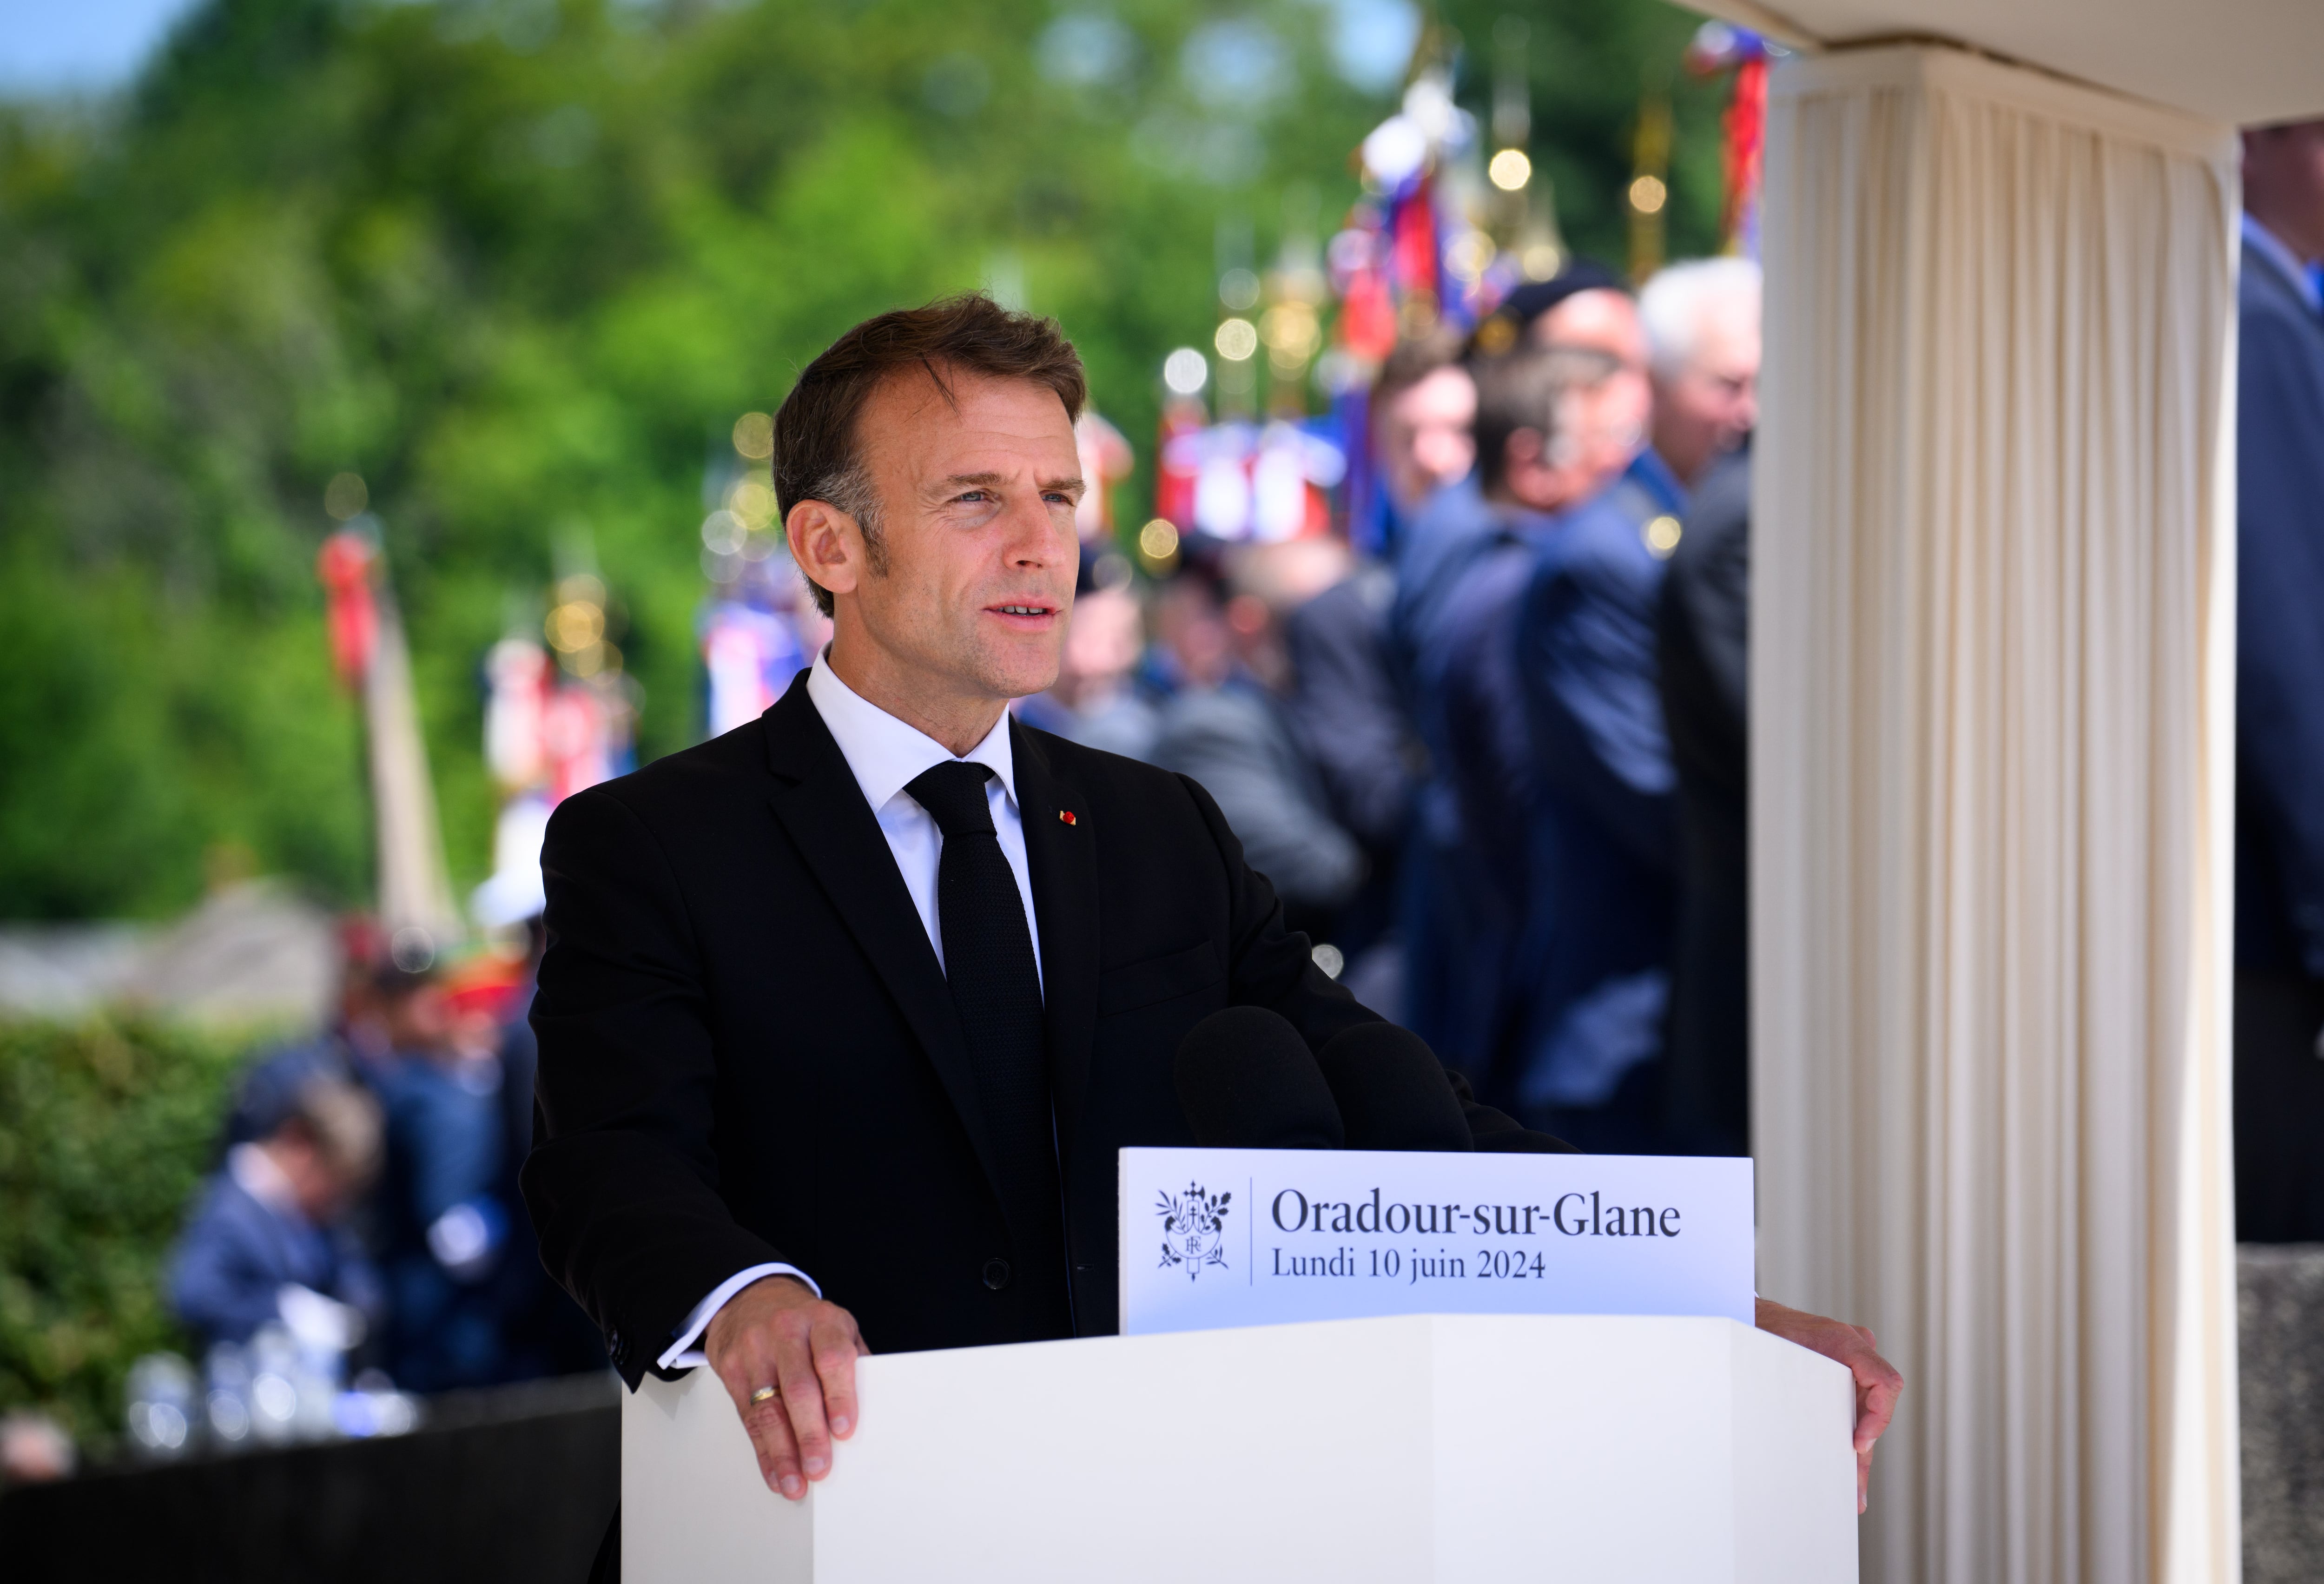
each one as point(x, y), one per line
point(1249, 1082)
point(1392, 1091)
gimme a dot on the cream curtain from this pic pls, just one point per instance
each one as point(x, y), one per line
point(1992, 707)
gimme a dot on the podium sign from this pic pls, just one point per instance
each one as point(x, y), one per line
point(1216, 1238)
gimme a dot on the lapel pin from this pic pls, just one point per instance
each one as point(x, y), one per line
point(1066, 815)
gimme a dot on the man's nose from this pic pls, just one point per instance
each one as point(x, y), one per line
point(1033, 536)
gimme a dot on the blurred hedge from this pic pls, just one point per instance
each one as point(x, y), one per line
point(105, 1129)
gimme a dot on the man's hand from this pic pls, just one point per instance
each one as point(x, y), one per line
point(1877, 1384)
point(776, 1332)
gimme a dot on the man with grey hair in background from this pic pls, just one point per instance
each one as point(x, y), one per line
point(1702, 319)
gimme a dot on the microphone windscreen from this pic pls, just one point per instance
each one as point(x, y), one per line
point(1248, 1081)
point(1392, 1091)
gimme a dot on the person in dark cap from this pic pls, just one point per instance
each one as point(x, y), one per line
point(1524, 308)
point(1588, 308)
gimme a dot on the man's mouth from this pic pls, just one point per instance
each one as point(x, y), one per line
point(1024, 610)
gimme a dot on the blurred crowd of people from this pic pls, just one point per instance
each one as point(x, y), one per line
point(1495, 769)
point(364, 1215)
point(1494, 765)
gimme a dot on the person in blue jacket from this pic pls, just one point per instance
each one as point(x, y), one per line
point(1602, 861)
point(1542, 445)
point(270, 1224)
point(2279, 1013)
point(443, 1229)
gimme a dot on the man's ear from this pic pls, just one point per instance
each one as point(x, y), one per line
point(1522, 449)
point(826, 544)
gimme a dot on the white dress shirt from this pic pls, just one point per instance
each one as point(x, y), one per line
point(885, 754)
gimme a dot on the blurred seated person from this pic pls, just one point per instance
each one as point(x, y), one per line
point(268, 1239)
point(443, 1226)
point(1227, 727)
point(1099, 701)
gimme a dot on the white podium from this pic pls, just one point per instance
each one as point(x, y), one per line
point(1574, 1448)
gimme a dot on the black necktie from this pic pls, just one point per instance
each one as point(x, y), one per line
point(988, 952)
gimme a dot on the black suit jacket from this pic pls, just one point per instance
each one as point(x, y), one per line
point(748, 1054)
point(2279, 632)
point(1706, 640)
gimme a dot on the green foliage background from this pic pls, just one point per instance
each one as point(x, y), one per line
point(520, 263)
point(105, 1129)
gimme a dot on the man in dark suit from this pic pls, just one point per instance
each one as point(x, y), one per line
point(1703, 640)
point(2280, 693)
point(846, 1014)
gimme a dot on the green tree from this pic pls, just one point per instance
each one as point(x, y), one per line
point(520, 263)
point(104, 1132)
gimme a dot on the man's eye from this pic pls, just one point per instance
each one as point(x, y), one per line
point(973, 495)
point(1057, 498)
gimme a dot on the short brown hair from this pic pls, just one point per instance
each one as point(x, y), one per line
point(1528, 390)
point(342, 1122)
point(1414, 359)
point(819, 454)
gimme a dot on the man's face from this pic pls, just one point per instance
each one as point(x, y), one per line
point(1607, 321)
point(1704, 410)
point(321, 1189)
point(1588, 453)
point(417, 1018)
point(976, 500)
point(1428, 436)
point(2284, 184)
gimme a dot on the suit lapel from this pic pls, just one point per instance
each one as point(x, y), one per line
point(1064, 861)
point(840, 840)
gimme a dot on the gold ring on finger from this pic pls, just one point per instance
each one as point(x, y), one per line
point(763, 1394)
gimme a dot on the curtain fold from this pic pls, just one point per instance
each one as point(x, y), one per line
point(1992, 701)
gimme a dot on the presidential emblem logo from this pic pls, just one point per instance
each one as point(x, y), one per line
point(1193, 1229)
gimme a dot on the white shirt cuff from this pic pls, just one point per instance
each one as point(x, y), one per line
point(682, 1354)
